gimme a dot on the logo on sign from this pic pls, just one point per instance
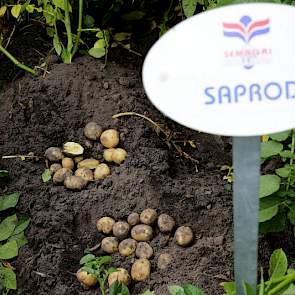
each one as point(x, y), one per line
point(246, 30)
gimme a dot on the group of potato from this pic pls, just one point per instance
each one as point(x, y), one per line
point(63, 161)
point(139, 227)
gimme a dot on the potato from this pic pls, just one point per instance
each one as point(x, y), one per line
point(119, 155)
point(54, 154)
point(110, 245)
point(102, 171)
point(166, 223)
point(78, 159)
point(105, 224)
point(88, 163)
point(108, 154)
point(144, 250)
point(121, 229)
point(140, 270)
point(73, 149)
point(121, 276)
point(61, 174)
point(148, 216)
point(87, 280)
point(75, 183)
point(127, 247)
point(54, 167)
point(92, 131)
point(133, 219)
point(164, 260)
point(110, 138)
point(85, 173)
point(68, 163)
point(142, 233)
point(184, 236)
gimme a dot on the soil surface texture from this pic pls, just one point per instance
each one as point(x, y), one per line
point(39, 112)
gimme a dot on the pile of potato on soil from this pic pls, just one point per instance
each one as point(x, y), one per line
point(65, 160)
point(132, 237)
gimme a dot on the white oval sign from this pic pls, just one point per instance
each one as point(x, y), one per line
point(227, 71)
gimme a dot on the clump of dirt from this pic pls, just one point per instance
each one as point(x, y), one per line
point(38, 112)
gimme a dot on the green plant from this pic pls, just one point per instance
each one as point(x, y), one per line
point(185, 289)
point(97, 266)
point(12, 238)
point(280, 280)
point(277, 187)
point(118, 289)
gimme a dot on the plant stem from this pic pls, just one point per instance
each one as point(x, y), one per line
point(68, 59)
point(283, 284)
point(291, 160)
point(79, 30)
point(16, 62)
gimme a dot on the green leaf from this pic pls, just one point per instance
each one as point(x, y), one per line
point(104, 260)
point(229, 288)
point(148, 292)
point(15, 10)
point(58, 48)
point(290, 290)
point(133, 15)
point(89, 21)
point(284, 171)
point(247, 289)
point(23, 223)
point(190, 289)
point(278, 264)
point(20, 239)
point(9, 201)
point(286, 154)
point(268, 213)
point(30, 8)
point(87, 258)
point(269, 184)
point(118, 289)
point(189, 7)
point(281, 136)
point(100, 43)
point(3, 173)
point(270, 148)
point(3, 10)
point(46, 175)
point(9, 250)
point(7, 227)
point(97, 52)
point(7, 278)
point(61, 4)
point(291, 216)
point(119, 37)
point(175, 290)
point(276, 224)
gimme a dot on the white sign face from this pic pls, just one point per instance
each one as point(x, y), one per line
point(227, 71)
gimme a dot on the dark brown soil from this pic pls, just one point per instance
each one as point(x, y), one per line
point(36, 113)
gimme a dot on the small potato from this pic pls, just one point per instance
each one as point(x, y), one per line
point(92, 131)
point(78, 159)
point(105, 224)
point(119, 155)
point(75, 183)
point(142, 233)
point(88, 163)
point(127, 247)
point(61, 174)
point(121, 229)
point(68, 163)
point(87, 280)
point(102, 171)
point(54, 167)
point(164, 260)
point(110, 245)
point(166, 223)
point(140, 270)
point(184, 236)
point(148, 216)
point(121, 276)
point(85, 173)
point(133, 219)
point(54, 154)
point(110, 138)
point(144, 250)
point(108, 154)
point(73, 149)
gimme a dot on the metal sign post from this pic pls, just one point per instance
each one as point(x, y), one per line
point(230, 71)
point(246, 160)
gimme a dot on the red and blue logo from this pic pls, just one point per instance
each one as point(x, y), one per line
point(246, 29)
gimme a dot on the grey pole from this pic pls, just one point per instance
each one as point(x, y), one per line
point(246, 162)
